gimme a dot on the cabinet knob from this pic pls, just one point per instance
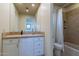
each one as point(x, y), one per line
point(38, 44)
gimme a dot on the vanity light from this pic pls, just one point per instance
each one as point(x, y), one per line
point(27, 10)
point(33, 5)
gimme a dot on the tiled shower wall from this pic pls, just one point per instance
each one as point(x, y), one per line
point(71, 26)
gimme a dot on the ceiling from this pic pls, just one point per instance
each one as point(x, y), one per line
point(64, 5)
point(21, 7)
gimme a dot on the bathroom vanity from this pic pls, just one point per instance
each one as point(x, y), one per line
point(27, 44)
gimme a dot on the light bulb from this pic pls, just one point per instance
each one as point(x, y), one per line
point(27, 10)
point(33, 5)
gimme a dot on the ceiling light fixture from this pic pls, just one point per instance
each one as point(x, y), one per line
point(27, 10)
point(33, 5)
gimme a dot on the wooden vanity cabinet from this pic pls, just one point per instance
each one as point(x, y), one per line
point(33, 46)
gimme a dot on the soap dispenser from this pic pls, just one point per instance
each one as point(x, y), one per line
point(21, 32)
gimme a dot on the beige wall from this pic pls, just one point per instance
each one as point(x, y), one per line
point(8, 19)
point(43, 20)
point(14, 17)
point(72, 24)
point(4, 20)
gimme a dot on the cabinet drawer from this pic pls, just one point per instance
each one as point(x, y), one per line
point(38, 39)
point(39, 45)
point(9, 46)
point(10, 50)
point(38, 52)
point(5, 54)
point(10, 41)
point(38, 42)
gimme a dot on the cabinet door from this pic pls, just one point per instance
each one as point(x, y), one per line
point(10, 47)
point(26, 47)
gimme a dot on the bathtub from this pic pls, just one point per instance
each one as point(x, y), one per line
point(71, 49)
